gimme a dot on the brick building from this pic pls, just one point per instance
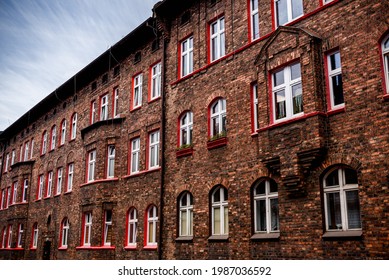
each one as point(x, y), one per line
point(215, 130)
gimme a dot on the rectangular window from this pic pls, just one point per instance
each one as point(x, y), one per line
point(93, 112)
point(137, 91)
point(154, 149)
point(13, 157)
point(49, 188)
point(254, 98)
point(44, 143)
point(287, 93)
point(111, 161)
point(254, 20)
point(87, 229)
point(288, 10)
point(217, 39)
point(9, 238)
point(21, 153)
point(132, 227)
point(32, 148)
point(65, 233)
point(26, 150)
point(186, 56)
point(335, 80)
point(116, 103)
point(8, 198)
point(63, 132)
point(70, 177)
point(104, 107)
point(20, 236)
point(59, 181)
point(14, 192)
point(135, 149)
point(6, 162)
point(40, 187)
point(73, 131)
point(3, 197)
point(25, 189)
point(156, 81)
point(91, 165)
point(108, 228)
point(35, 232)
point(53, 138)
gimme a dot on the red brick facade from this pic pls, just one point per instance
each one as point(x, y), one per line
point(309, 180)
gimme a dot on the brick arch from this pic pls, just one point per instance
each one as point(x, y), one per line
point(338, 159)
point(70, 157)
point(220, 181)
point(50, 165)
point(60, 162)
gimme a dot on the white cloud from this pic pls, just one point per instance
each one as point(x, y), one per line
point(44, 43)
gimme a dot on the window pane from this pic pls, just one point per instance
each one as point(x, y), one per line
point(278, 78)
point(273, 186)
point(334, 218)
point(215, 124)
point(216, 195)
point(261, 189)
point(335, 61)
point(184, 221)
point(190, 223)
point(295, 71)
point(151, 230)
point(184, 200)
point(216, 221)
point(282, 14)
point(350, 176)
point(254, 4)
point(280, 104)
point(353, 211)
point(297, 96)
point(297, 8)
point(332, 179)
point(255, 24)
point(224, 123)
point(260, 206)
point(225, 220)
point(275, 221)
point(337, 88)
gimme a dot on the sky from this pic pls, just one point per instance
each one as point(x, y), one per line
point(43, 43)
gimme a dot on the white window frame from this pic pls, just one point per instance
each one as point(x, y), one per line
point(135, 152)
point(287, 87)
point(104, 107)
point(116, 103)
point(154, 149)
point(20, 236)
point(137, 91)
point(26, 150)
point(187, 56)
point(69, 184)
point(4, 237)
point(93, 112)
point(186, 215)
point(289, 11)
point(32, 148)
point(222, 205)
point(385, 60)
point(21, 153)
point(73, 133)
point(87, 229)
point(9, 236)
point(40, 186)
point(8, 200)
point(342, 189)
point(15, 186)
point(63, 132)
point(111, 161)
point(35, 233)
point(156, 81)
point(107, 228)
point(91, 165)
point(218, 114)
point(13, 157)
point(268, 196)
point(254, 17)
point(65, 233)
point(254, 92)
point(59, 180)
point(49, 189)
point(333, 73)
point(132, 229)
point(53, 137)
point(152, 219)
point(25, 189)
point(186, 128)
point(6, 163)
point(217, 39)
point(3, 197)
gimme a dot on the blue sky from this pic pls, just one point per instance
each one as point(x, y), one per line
point(43, 43)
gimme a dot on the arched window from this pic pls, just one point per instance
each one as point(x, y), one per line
point(3, 237)
point(34, 240)
point(219, 202)
point(341, 200)
point(64, 233)
point(186, 128)
point(63, 132)
point(53, 137)
point(151, 230)
point(186, 214)
point(73, 128)
point(132, 227)
point(385, 59)
point(266, 218)
point(218, 118)
point(44, 142)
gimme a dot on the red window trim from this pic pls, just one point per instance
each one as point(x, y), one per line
point(209, 113)
point(209, 60)
point(32, 236)
point(149, 100)
point(147, 167)
point(179, 126)
point(129, 162)
point(133, 92)
point(384, 85)
point(60, 247)
point(126, 246)
point(146, 229)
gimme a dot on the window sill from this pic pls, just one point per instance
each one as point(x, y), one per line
point(150, 247)
point(135, 109)
point(154, 99)
point(184, 152)
point(218, 238)
point(220, 142)
point(33, 249)
point(336, 111)
point(386, 97)
point(63, 248)
point(11, 249)
point(68, 192)
point(100, 123)
point(99, 181)
point(184, 239)
point(343, 234)
point(265, 236)
point(130, 248)
point(141, 173)
point(95, 248)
